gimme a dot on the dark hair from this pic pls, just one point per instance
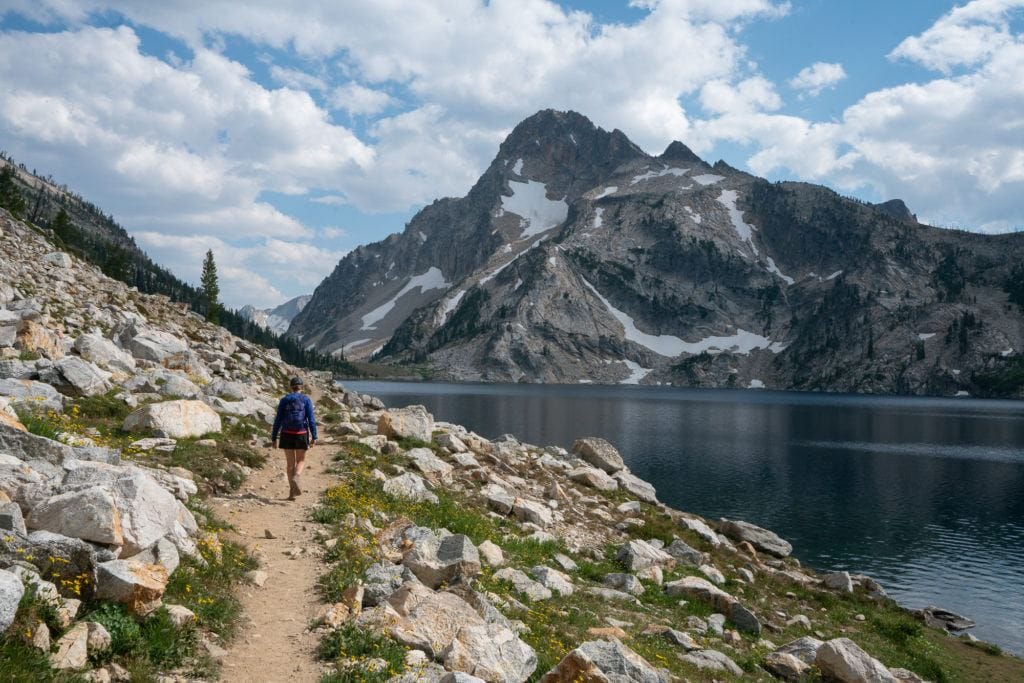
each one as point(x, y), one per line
point(295, 382)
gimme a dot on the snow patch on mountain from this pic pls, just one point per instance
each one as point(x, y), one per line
point(742, 342)
point(610, 190)
point(518, 168)
point(636, 372)
point(772, 268)
point(744, 230)
point(529, 200)
point(452, 303)
point(597, 217)
point(433, 278)
point(673, 171)
point(708, 178)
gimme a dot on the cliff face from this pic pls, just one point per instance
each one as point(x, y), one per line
point(578, 258)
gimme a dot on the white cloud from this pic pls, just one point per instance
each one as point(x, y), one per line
point(331, 200)
point(968, 35)
point(752, 94)
point(358, 100)
point(949, 147)
point(246, 273)
point(331, 233)
point(295, 79)
point(817, 77)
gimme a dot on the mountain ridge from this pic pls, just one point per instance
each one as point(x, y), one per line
point(591, 261)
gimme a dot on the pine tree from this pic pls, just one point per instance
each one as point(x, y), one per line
point(211, 289)
point(10, 195)
point(61, 225)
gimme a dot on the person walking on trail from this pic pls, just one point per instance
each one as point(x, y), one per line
point(296, 426)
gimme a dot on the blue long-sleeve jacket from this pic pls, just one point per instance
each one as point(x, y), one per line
point(310, 420)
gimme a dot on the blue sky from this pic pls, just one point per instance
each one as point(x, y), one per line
point(282, 135)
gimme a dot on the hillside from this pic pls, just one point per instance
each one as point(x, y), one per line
point(577, 257)
point(96, 237)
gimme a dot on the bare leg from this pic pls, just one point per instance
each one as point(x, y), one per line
point(300, 462)
point(289, 457)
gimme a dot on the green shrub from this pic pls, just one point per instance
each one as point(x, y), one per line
point(38, 423)
point(350, 646)
point(166, 645)
point(125, 632)
point(103, 407)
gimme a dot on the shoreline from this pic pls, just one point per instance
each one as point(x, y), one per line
point(908, 602)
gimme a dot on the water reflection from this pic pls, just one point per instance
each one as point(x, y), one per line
point(925, 494)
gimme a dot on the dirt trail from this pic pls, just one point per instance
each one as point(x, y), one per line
point(273, 643)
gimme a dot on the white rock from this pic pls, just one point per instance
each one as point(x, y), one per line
point(636, 486)
point(409, 486)
point(526, 586)
point(599, 453)
point(553, 579)
point(104, 353)
point(638, 554)
point(146, 510)
point(90, 514)
point(174, 419)
point(11, 590)
point(156, 346)
point(602, 660)
point(491, 652)
point(74, 376)
point(712, 660)
point(413, 422)
point(72, 649)
point(843, 660)
point(594, 478)
point(429, 464)
point(532, 511)
point(714, 575)
point(491, 554)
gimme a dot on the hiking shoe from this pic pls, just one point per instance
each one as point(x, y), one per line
point(295, 489)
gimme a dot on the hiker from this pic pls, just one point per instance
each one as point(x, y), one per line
point(297, 428)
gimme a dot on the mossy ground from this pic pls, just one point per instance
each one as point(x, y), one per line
point(556, 626)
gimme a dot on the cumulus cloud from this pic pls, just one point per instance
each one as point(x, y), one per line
point(949, 146)
point(248, 274)
point(817, 77)
point(357, 99)
point(968, 35)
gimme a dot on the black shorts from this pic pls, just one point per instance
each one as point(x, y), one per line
point(293, 442)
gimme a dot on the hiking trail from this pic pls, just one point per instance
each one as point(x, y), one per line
point(274, 643)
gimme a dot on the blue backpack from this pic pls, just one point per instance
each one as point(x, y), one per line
point(293, 414)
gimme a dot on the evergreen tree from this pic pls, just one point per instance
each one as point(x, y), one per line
point(211, 289)
point(61, 225)
point(10, 195)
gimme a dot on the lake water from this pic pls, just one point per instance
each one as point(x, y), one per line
point(926, 495)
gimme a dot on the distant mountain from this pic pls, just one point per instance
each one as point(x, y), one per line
point(577, 257)
point(276, 319)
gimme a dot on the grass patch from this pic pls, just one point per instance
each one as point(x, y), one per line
point(45, 424)
point(219, 465)
point(352, 648)
point(206, 589)
point(22, 662)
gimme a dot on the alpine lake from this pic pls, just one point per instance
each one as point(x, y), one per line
point(926, 495)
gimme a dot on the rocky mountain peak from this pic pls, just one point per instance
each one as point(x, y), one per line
point(897, 209)
point(564, 150)
point(678, 152)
